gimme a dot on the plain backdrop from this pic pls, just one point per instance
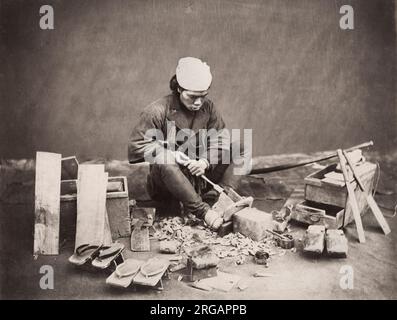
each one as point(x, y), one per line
point(283, 68)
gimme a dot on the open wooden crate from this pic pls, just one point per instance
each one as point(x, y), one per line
point(327, 203)
point(117, 207)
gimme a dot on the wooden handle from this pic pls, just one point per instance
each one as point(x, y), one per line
point(215, 186)
point(277, 235)
point(360, 146)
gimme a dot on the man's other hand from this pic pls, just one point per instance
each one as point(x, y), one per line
point(181, 158)
point(197, 167)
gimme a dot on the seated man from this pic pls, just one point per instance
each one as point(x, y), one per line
point(169, 135)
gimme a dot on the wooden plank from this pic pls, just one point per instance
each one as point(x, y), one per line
point(107, 235)
point(352, 199)
point(91, 205)
point(378, 214)
point(118, 209)
point(47, 203)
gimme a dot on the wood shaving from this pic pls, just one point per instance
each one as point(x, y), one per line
point(232, 245)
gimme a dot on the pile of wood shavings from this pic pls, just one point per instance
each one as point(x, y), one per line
point(233, 245)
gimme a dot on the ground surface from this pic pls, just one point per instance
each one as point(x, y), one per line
point(294, 276)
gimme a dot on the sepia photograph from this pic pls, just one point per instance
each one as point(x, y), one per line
point(192, 151)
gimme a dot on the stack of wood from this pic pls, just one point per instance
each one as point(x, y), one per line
point(79, 201)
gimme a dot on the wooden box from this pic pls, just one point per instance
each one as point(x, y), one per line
point(314, 213)
point(117, 207)
point(323, 192)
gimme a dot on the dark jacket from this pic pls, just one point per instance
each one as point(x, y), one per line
point(170, 108)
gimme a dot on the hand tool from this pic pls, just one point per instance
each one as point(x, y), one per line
point(284, 241)
point(305, 162)
point(183, 159)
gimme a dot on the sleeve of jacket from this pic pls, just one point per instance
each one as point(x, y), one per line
point(218, 140)
point(142, 143)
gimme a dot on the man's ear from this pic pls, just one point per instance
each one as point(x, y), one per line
point(179, 89)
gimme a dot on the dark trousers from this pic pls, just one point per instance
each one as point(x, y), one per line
point(170, 181)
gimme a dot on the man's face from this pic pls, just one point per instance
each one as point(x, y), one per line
point(192, 100)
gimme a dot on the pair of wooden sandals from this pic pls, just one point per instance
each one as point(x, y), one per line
point(133, 271)
point(100, 256)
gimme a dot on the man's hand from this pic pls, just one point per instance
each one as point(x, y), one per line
point(197, 167)
point(181, 158)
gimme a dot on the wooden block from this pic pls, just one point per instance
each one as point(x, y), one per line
point(336, 243)
point(313, 241)
point(252, 223)
point(70, 167)
point(47, 203)
point(140, 238)
point(91, 201)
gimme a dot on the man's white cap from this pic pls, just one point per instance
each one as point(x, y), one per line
point(193, 74)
